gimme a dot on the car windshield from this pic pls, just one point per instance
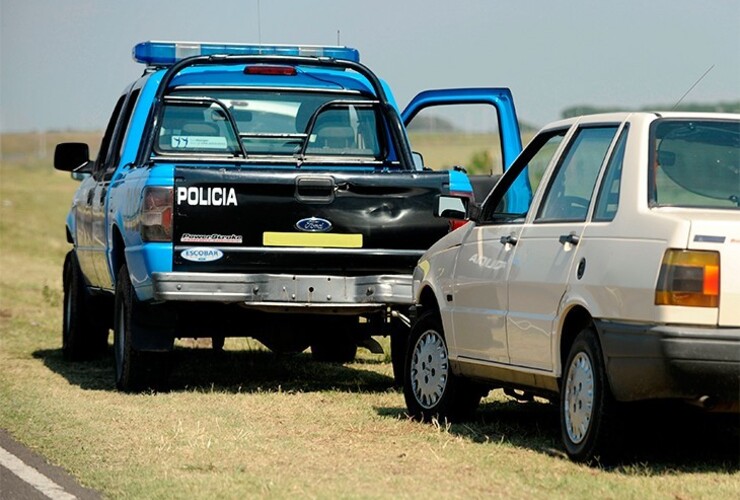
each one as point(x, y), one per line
point(269, 123)
point(696, 163)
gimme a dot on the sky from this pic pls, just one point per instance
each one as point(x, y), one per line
point(63, 63)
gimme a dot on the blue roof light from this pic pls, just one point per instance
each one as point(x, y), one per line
point(167, 53)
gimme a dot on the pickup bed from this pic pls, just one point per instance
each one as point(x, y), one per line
point(252, 190)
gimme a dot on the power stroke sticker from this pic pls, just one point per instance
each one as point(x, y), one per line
point(201, 254)
point(211, 238)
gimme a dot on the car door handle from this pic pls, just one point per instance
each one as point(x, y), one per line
point(571, 238)
point(508, 240)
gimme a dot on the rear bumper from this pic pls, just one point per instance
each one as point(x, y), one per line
point(651, 361)
point(284, 291)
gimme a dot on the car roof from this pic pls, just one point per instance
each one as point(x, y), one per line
point(638, 116)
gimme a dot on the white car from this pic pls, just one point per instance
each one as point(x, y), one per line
point(603, 268)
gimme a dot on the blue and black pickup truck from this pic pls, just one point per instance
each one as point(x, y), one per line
point(267, 191)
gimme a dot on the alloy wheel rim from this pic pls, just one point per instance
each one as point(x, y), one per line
point(429, 369)
point(578, 398)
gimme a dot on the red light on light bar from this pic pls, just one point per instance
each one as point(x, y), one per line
point(264, 69)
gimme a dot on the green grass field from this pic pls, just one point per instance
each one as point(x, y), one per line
point(248, 423)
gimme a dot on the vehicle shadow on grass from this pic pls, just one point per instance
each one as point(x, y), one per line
point(239, 371)
point(661, 439)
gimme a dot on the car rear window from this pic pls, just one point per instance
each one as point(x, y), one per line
point(695, 163)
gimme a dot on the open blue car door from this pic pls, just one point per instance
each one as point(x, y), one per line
point(508, 125)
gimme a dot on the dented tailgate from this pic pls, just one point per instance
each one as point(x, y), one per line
point(294, 221)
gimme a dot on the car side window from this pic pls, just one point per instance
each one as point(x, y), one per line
point(569, 193)
point(607, 201)
point(510, 200)
point(122, 132)
point(107, 138)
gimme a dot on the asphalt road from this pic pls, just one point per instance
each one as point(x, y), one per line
point(25, 475)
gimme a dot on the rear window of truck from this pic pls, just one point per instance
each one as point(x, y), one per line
point(270, 123)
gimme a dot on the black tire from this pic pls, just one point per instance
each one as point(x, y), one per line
point(134, 370)
point(588, 411)
point(430, 388)
point(334, 340)
point(399, 346)
point(84, 335)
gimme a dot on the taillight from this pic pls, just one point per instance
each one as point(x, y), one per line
point(688, 278)
point(454, 223)
point(156, 214)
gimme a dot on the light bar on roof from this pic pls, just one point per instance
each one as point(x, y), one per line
point(167, 53)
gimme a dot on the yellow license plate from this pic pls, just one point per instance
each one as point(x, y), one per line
point(317, 240)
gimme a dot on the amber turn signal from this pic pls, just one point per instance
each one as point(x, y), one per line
point(688, 278)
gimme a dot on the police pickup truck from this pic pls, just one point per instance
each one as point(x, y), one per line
point(253, 190)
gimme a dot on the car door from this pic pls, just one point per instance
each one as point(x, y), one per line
point(105, 167)
point(545, 251)
point(500, 99)
point(87, 201)
point(479, 297)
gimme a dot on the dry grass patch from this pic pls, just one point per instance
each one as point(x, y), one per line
point(249, 423)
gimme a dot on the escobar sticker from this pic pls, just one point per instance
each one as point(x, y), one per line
point(201, 254)
point(211, 238)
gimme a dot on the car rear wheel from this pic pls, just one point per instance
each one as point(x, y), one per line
point(430, 388)
point(588, 421)
point(84, 336)
point(135, 370)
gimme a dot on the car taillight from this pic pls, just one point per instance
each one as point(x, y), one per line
point(457, 224)
point(688, 278)
point(156, 214)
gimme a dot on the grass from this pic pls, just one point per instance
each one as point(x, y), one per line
point(250, 423)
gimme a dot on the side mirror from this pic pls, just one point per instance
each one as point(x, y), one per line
point(418, 160)
point(451, 207)
point(79, 176)
point(69, 156)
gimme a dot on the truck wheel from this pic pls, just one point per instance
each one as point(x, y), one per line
point(84, 337)
point(217, 343)
point(337, 344)
point(430, 388)
point(587, 407)
point(135, 370)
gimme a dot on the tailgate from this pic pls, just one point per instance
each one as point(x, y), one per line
point(293, 221)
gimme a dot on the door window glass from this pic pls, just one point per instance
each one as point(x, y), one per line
point(461, 134)
point(569, 193)
point(511, 199)
point(107, 138)
point(607, 201)
point(122, 131)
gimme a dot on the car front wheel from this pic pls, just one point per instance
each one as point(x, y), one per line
point(588, 422)
point(430, 388)
point(84, 336)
